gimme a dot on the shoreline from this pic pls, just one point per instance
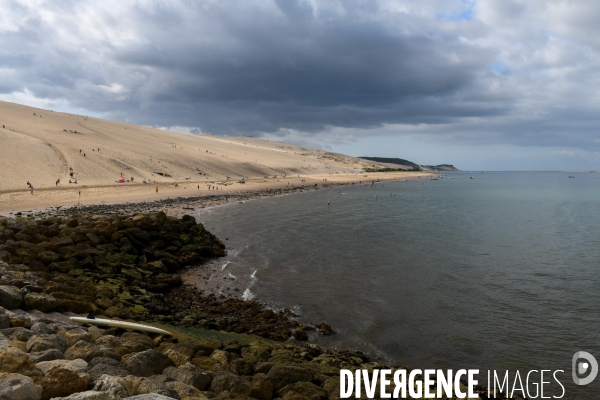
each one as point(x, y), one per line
point(144, 194)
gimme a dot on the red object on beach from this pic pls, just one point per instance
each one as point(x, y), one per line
point(121, 180)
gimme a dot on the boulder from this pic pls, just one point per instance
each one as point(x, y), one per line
point(87, 395)
point(284, 374)
point(205, 347)
point(62, 382)
point(263, 367)
point(231, 396)
point(226, 381)
point(105, 360)
point(147, 363)
point(74, 335)
point(18, 333)
point(39, 301)
point(262, 387)
point(89, 351)
point(40, 327)
point(119, 345)
point(149, 396)
point(190, 376)
point(15, 360)
point(140, 338)
point(46, 355)
point(97, 371)
point(4, 321)
point(186, 391)
point(127, 386)
point(44, 342)
point(77, 365)
point(307, 389)
point(10, 297)
point(19, 387)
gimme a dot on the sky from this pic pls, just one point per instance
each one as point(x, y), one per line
point(483, 85)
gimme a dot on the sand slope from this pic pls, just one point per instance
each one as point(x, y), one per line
point(41, 146)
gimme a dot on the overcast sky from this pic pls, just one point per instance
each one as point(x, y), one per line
point(484, 85)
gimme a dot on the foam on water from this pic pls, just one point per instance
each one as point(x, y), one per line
point(248, 295)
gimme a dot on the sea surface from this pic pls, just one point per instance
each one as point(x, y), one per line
point(500, 272)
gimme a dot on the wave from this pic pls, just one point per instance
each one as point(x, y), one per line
point(248, 295)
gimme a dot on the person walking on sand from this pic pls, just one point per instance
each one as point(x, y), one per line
point(157, 189)
point(31, 189)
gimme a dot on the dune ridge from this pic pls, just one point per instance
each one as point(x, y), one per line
point(41, 146)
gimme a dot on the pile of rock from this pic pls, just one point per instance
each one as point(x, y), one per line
point(126, 267)
point(46, 356)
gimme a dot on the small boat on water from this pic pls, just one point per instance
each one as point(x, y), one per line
point(571, 176)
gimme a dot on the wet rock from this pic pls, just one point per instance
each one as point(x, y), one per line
point(19, 387)
point(325, 329)
point(46, 355)
point(147, 363)
point(283, 375)
point(39, 301)
point(190, 375)
point(15, 360)
point(61, 382)
point(226, 381)
point(43, 342)
point(88, 351)
point(10, 297)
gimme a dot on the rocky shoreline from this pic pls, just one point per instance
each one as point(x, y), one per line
point(126, 266)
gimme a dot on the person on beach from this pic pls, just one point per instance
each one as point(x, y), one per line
point(31, 189)
point(157, 189)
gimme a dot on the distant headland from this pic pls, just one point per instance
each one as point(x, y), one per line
point(411, 166)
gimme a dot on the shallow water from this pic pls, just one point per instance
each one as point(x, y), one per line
point(497, 272)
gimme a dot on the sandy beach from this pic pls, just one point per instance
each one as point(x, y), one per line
point(42, 147)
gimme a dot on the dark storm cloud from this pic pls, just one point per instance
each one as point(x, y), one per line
point(488, 72)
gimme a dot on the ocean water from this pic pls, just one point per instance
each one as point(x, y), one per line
point(499, 272)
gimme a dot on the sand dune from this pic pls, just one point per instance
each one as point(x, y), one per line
point(40, 146)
